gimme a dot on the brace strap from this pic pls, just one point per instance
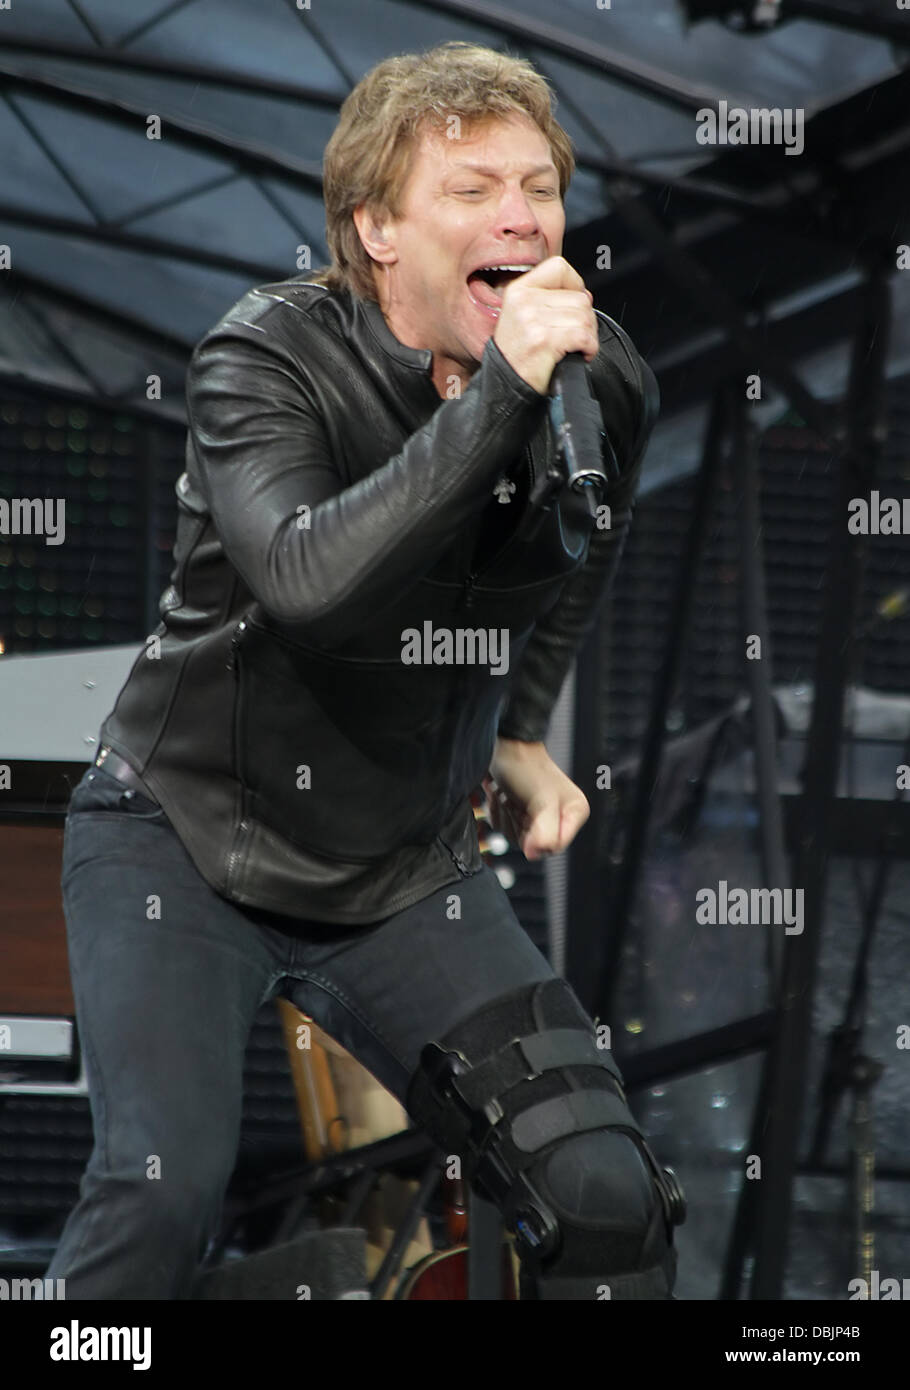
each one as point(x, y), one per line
point(574, 1112)
point(526, 1057)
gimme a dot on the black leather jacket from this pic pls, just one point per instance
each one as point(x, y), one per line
point(332, 500)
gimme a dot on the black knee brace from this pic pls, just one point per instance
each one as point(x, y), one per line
point(536, 1110)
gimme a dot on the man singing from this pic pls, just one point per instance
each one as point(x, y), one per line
point(281, 800)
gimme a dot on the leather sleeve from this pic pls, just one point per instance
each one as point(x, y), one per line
point(558, 636)
point(262, 453)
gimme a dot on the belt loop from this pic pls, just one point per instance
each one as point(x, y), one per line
point(122, 772)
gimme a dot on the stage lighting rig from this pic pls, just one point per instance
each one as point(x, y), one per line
point(873, 18)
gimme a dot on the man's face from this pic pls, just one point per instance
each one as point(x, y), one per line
point(489, 198)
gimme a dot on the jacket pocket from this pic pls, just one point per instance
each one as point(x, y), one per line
point(348, 758)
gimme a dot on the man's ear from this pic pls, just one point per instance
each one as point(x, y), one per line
point(375, 234)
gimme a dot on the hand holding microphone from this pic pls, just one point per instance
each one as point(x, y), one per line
point(547, 330)
point(546, 313)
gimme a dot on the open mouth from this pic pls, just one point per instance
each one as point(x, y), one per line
point(487, 285)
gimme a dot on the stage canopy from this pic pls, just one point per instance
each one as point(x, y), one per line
point(125, 249)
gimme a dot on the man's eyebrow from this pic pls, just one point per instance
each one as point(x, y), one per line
point(487, 169)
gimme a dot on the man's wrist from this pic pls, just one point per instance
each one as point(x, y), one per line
point(518, 747)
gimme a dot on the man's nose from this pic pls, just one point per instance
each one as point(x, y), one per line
point(515, 214)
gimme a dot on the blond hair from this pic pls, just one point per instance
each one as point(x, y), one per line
point(368, 156)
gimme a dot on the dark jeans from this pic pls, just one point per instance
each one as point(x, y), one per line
point(164, 1004)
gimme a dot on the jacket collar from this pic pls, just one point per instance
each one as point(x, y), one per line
point(418, 359)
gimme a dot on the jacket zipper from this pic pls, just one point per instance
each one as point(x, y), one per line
point(235, 852)
point(459, 863)
point(234, 857)
point(235, 639)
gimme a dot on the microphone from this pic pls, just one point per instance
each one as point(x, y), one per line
point(578, 426)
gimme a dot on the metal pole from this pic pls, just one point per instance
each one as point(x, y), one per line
point(755, 624)
point(630, 867)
